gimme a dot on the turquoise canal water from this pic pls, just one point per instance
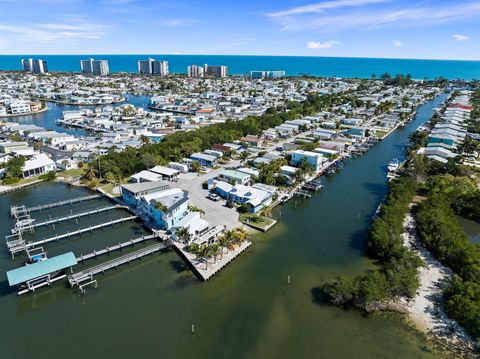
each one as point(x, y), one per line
point(48, 118)
point(293, 65)
point(249, 310)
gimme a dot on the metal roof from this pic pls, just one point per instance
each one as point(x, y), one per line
point(39, 269)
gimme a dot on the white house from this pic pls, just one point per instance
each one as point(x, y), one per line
point(37, 165)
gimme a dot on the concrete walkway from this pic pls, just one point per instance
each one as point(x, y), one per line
point(208, 268)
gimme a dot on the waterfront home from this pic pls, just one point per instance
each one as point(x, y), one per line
point(196, 225)
point(132, 192)
point(315, 160)
point(442, 138)
point(146, 176)
point(288, 172)
point(356, 132)
point(438, 153)
point(234, 177)
point(204, 159)
point(326, 152)
point(166, 208)
point(256, 199)
point(167, 173)
point(37, 165)
point(66, 164)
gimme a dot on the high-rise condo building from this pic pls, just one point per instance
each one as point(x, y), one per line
point(266, 74)
point(195, 71)
point(36, 66)
point(153, 67)
point(215, 71)
point(206, 70)
point(95, 67)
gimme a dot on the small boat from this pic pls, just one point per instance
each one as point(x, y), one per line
point(393, 165)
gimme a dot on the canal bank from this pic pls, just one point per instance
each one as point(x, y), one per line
point(249, 309)
point(47, 119)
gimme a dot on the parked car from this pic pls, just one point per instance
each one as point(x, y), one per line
point(214, 197)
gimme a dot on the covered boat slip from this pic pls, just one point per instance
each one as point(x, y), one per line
point(41, 273)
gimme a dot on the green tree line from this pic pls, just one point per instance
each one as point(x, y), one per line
point(397, 275)
point(442, 234)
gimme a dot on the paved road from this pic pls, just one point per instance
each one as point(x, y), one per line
point(216, 213)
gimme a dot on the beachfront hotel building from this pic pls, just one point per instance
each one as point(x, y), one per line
point(153, 67)
point(207, 71)
point(36, 66)
point(95, 67)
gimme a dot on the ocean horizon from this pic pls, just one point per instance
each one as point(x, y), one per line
point(344, 67)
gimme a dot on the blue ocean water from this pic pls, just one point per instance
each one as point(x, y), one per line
point(293, 65)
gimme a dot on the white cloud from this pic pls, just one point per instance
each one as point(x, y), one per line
point(322, 6)
point(303, 19)
point(54, 33)
point(461, 37)
point(397, 43)
point(322, 45)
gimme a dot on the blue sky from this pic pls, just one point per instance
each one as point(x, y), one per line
point(362, 28)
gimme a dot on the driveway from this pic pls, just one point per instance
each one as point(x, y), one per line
point(216, 213)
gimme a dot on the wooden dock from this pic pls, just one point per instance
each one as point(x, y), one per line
point(116, 247)
point(16, 245)
point(73, 216)
point(87, 274)
point(80, 231)
point(13, 209)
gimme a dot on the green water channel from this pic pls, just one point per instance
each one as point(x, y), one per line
point(147, 309)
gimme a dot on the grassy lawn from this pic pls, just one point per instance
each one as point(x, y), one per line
point(380, 134)
point(76, 172)
point(109, 189)
point(255, 220)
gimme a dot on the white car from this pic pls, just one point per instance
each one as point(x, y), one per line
point(214, 197)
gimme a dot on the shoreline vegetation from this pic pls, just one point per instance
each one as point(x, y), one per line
point(428, 267)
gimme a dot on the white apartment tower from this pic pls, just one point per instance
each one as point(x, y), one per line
point(153, 67)
point(36, 66)
point(95, 67)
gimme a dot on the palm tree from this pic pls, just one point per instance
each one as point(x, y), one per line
point(214, 251)
point(195, 249)
point(90, 171)
point(144, 140)
point(239, 235)
point(244, 156)
point(223, 242)
point(206, 252)
point(183, 234)
point(299, 175)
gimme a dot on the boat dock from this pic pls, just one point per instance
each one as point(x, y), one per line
point(14, 210)
point(78, 278)
point(16, 245)
point(116, 247)
point(73, 216)
point(314, 185)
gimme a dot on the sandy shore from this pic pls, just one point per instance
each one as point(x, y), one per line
point(425, 308)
